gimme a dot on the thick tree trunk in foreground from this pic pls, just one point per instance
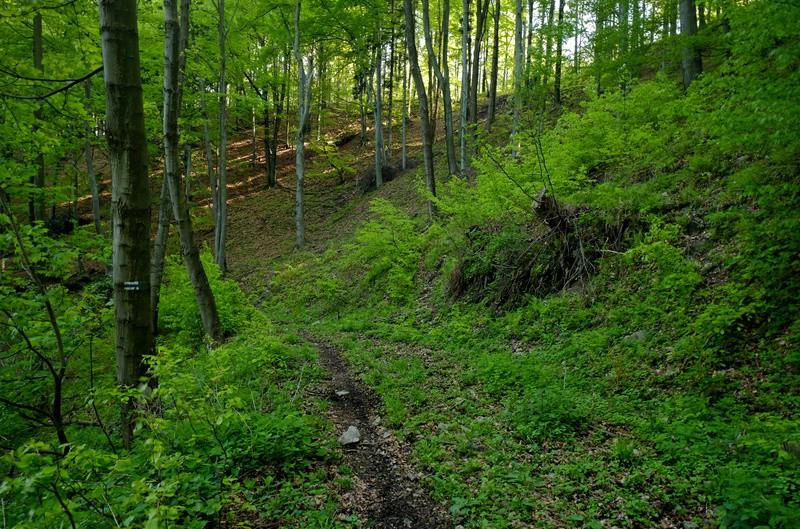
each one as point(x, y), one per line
point(130, 196)
point(191, 256)
point(424, 116)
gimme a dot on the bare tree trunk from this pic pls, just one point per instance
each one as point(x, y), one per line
point(303, 104)
point(481, 10)
point(442, 71)
point(691, 61)
point(378, 113)
point(404, 126)
point(424, 116)
point(548, 45)
point(559, 53)
point(130, 200)
point(392, 75)
point(221, 209)
point(159, 251)
point(495, 59)
point(577, 57)
point(518, 52)
point(191, 256)
point(464, 109)
point(88, 153)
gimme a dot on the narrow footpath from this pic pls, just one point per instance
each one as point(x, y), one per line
point(386, 491)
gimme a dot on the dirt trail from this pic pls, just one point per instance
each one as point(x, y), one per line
point(386, 492)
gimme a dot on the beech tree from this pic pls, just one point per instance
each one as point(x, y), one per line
point(130, 196)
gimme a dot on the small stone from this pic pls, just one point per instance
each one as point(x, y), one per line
point(638, 336)
point(351, 436)
point(342, 393)
point(690, 525)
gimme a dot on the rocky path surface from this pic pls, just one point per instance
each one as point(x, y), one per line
point(386, 491)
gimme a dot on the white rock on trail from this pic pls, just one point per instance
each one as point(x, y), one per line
point(351, 436)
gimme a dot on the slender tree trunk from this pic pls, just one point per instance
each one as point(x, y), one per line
point(481, 10)
point(404, 126)
point(690, 54)
point(495, 59)
point(465, 76)
point(442, 71)
point(390, 105)
point(159, 251)
point(130, 200)
point(559, 53)
point(424, 116)
point(548, 53)
point(378, 114)
point(88, 153)
point(518, 65)
point(191, 256)
point(221, 210)
point(701, 14)
point(303, 104)
point(577, 56)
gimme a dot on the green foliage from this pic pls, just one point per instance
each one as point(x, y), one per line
point(178, 313)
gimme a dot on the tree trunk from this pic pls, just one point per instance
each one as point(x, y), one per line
point(577, 57)
point(404, 126)
point(159, 251)
point(481, 11)
point(378, 114)
point(495, 59)
point(88, 153)
point(303, 104)
point(424, 116)
point(691, 61)
point(191, 256)
point(548, 45)
point(221, 209)
point(464, 109)
point(130, 196)
point(559, 57)
point(442, 71)
point(518, 52)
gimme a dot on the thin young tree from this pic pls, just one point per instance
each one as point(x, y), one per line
point(492, 105)
point(442, 71)
point(303, 111)
point(424, 116)
point(518, 66)
point(130, 196)
point(191, 255)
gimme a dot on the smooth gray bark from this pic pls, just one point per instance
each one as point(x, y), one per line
point(518, 65)
point(191, 256)
point(442, 72)
point(130, 196)
point(463, 110)
point(424, 115)
point(303, 106)
point(492, 105)
point(691, 62)
point(221, 206)
point(88, 155)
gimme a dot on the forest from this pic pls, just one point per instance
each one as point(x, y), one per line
point(486, 264)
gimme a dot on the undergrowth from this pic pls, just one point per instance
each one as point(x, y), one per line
point(661, 389)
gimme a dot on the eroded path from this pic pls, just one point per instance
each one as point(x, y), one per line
point(386, 491)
